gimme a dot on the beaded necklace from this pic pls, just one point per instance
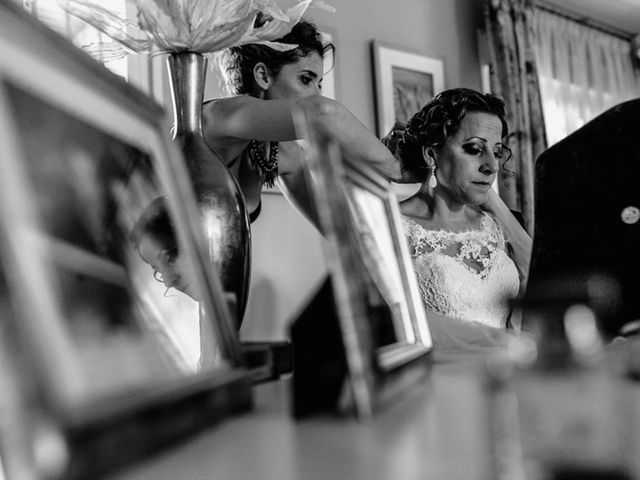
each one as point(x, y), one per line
point(268, 169)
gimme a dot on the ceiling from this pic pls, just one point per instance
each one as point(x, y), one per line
point(618, 14)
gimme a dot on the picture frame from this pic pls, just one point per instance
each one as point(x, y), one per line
point(84, 154)
point(404, 80)
point(383, 326)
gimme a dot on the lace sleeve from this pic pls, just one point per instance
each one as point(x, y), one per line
point(497, 233)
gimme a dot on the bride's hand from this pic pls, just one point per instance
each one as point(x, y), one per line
point(514, 233)
point(493, 203)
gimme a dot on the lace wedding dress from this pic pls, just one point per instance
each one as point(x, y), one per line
point(465, 275)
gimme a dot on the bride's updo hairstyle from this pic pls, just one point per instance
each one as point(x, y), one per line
point(236, 63)
point(435, 122)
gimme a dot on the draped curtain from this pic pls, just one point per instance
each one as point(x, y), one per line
point(509, 33)
point(583, 71)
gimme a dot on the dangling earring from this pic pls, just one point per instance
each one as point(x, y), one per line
point(433, 181)
point(431, 168)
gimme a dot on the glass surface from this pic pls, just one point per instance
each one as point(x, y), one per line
point(126, 328)
point(375, 238)
point(80, 32)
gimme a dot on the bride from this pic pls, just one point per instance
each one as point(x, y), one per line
point(469, 253)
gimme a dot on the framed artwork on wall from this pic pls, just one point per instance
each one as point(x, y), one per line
point(122, 358)
point(404, 81)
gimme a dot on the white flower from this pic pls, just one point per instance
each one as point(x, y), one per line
point(201, 26)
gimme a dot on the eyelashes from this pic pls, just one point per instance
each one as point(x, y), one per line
point(473, 150)
point(500, 152)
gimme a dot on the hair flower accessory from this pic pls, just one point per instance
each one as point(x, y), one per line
point(199, 26)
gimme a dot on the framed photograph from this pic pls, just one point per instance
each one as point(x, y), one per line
point(111, 294)
point(382, 321)
point(404, 81)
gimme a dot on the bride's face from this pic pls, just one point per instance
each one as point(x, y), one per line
point(469, 160)
point(169, 266)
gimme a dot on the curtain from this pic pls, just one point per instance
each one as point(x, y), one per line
point(583, 71)
point(510, 32)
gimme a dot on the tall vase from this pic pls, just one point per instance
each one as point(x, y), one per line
point(219, 195)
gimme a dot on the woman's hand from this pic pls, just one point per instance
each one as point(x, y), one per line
point(517, 237)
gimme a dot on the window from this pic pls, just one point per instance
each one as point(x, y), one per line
point(78, 31)
point(583, 71)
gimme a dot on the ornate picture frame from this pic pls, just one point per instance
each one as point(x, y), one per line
point(83, 155)
point(382, 322)
point(404, 80)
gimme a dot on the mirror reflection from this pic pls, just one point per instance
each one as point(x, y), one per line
point(379, 253)
point(154, 237)
point(102, 236)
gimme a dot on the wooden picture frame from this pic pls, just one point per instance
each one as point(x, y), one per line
point(83, 154)
point(404, 81)
point(382, 322)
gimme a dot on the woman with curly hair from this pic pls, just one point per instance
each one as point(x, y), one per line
point(253, 130)
point(469, 253)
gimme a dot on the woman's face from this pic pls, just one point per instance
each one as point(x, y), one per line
point(296, 80)
point(168, 266)
point(468, 161)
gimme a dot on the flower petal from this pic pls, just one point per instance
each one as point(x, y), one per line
point(322, 5)
point(271, 8)
point(106, 51)
point(106, 21)
point(194, 25)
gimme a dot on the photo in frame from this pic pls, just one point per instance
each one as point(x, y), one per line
point(404, 81)
point(121, 364)
point(382, 327)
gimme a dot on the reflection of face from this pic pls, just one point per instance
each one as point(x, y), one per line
point(468, 161)
point(168, 265)
point(296, 80)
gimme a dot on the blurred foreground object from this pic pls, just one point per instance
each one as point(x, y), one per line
point(587, 215)
point(375, 340)
point(559, 406)
point(106, 356)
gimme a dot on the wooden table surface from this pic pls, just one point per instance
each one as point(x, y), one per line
point(436, 431)
point(439, 430)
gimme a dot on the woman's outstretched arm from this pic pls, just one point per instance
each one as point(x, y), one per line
point(248, 118)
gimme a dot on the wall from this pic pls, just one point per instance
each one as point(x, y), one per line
point(439, 28)
point(288, 262)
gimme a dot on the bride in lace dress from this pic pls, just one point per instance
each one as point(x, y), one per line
point(469, 253)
